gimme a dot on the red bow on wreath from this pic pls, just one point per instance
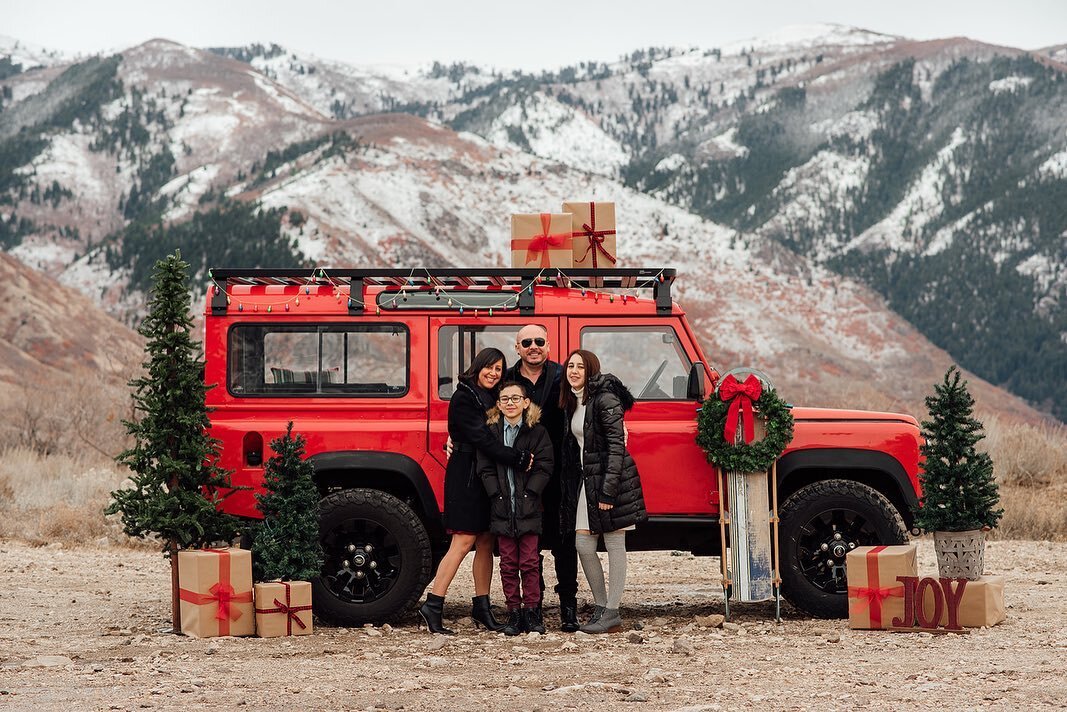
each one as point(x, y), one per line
point(740, 396)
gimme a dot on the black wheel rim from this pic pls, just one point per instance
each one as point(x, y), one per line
point(362, 561)
point(825, 541)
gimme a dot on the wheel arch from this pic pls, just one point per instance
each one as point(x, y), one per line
point(391, 472)
point(876, 469)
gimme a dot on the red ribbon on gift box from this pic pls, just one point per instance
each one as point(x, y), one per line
point(288, 609)
point(596, 237)
point(741, 397)
point(871, 596)
point(222, 593)
point(542, 243)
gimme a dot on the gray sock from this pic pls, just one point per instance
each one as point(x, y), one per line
point(594, 572)
point(615, 543)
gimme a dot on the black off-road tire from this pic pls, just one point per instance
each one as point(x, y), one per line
point(813, 515)
point(400, 545)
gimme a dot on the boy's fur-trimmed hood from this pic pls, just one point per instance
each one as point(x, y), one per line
point(532, 416)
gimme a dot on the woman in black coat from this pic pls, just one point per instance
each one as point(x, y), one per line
point(601, 486)
point(466, 515)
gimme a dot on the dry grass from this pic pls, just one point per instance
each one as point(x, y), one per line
point(49, 498)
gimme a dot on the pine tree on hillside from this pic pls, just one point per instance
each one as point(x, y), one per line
point(286, 544)
point(173, 492)
point(959, 492)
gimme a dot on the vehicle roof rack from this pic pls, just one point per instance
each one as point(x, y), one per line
point(657, 279)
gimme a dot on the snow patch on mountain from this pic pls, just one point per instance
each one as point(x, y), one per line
point(185, 191)
point(671, 163)
point(857, 125)
point(811, 35)
point(1055, 166)
point(30, 55)
point(558, 132)
point(1010, 84)
point(286, 102)
point(900, 230)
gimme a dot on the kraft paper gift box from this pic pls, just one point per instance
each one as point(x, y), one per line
point(283, 608)
point(875, 596)
point(215, 592)
point(982, 603)
point(541, 240)
point(593, 230)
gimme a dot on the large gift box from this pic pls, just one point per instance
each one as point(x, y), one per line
point(541, 240)
point(875, 596)
point(283, 608)
point(593, 230)
point(981, 603)
point(215, 592)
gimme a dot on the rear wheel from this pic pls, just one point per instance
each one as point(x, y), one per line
point(820, 524)
point(376, 557)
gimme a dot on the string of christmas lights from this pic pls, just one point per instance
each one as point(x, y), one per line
point(439, 290)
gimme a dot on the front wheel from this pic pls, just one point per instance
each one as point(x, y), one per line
point(820, 524)
point(377, 558)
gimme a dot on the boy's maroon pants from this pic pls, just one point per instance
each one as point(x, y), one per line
point(519, 559)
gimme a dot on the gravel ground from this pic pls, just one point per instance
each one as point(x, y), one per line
point(83, 628)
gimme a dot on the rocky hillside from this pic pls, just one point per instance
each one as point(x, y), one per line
point(241, 158)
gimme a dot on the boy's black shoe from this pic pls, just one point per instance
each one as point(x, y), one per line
point(568, 615)
point(514, 626)
point(532, 622)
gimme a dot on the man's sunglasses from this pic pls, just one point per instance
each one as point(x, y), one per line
point(525, 343)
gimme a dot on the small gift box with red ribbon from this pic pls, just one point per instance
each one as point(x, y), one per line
point(283, 608)
point(541, 240)
point(875, 596)
point(593, 230)
point(215, 592)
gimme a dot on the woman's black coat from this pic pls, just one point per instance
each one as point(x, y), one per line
point(466, 503)
point(521, 515)
point(610, 473)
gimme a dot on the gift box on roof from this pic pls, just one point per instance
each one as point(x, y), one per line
point(981, 603)
point(215, 592)
point(283, 608)
point(593, 230)
point(541, 240)
point(875, 596)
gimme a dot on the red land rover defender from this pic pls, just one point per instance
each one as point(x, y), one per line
point(364, 363)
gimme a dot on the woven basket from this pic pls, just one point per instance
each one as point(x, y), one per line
point(960, 554)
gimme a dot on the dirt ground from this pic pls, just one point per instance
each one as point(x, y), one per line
point(84, 628)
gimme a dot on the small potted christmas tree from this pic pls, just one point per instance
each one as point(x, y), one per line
point(959, 496)
point(285, 545)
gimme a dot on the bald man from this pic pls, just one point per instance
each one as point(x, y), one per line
point(542, 377)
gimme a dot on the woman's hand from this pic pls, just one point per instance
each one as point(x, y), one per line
point(606, 506)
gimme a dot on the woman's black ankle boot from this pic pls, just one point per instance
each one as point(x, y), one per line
point(431, 612)
point(482, 614)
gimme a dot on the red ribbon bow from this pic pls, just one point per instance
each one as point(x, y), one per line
point(871, 596)
point(596, 237)
point(544, 242)
point(741, 397)
point(289, 610)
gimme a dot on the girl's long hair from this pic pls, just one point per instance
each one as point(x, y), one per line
point(567, 400)
point(485, 358)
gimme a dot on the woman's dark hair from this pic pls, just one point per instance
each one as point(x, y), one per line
point(567, 400)
point(485, 358)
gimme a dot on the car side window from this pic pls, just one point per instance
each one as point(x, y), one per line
point(457, 346)
point(648, 359)
point(320, 360)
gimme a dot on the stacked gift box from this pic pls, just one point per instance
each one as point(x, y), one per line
point(886, 592)
point(581, 236)
point(217, 597)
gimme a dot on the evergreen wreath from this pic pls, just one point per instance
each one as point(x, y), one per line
point(754, 457)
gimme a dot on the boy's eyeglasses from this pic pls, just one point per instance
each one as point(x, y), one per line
point(527, 342)
point(511, 399)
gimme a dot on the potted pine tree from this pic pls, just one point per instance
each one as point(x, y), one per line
point(960, 497)
point(285, 546)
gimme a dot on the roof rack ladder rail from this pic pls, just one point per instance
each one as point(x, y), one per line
point(661, 291)
point(220, 299)
point(526, 295)
point(357, 298)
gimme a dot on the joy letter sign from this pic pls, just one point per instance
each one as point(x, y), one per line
point(946, 599)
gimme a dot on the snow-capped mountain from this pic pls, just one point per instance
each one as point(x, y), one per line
point(715, 157)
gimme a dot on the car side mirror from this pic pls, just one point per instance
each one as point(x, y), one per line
point(695, 388)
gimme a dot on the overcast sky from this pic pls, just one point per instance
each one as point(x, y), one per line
point(503, 34)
